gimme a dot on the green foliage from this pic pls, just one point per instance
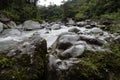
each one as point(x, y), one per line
point(51, 13)
point(71, 8)
point(19, 10)
point(79, 16)
point(10, 14)
point(13, 68)
point(114, 15)
point(97, 66)
point(78, 9)
point(28, 12)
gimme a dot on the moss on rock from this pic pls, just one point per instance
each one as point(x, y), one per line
point(25, 67)
point(95, 66)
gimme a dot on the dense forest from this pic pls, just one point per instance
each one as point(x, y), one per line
point(19, 10)
point(77, 9)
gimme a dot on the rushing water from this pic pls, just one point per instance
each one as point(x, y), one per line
point(49, 35)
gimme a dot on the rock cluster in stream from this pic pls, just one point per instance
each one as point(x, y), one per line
point(25, 61)
point(26, 45)
point(73, 44)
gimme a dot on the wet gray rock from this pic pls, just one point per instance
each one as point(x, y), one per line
point(55, 26)
point(74, 51)
point(10, 32)
point(45, 24)
point(81, 23)
point(88, 26)
point(93, 24)
point(87, 23)
point(7, 41)
point(1, 27)
point(96, 30)
point(107, 22)
point(27, 46)
point(5, 26)
point(28, 58)
point(70, 45)
point(58, 66)
point(91, 40)
point(117, 40)
point(66, 40)
point(75, 30)
point(7, 45)
point(56, 63)
point(20, 27)
point(4, 18)
point(31, 25)
point(70, 21)
point(11, 25)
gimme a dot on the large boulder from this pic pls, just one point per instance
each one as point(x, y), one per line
point(71, 45)
point(96, 30)
point(87, 22)
point(66, 40)
point(11, 25)
point(10, 32)
point(4, 18)
point(27, 46)
point(88, 26)
point(55, 26)
point(81, 56)
point(20, 27)
point(68, 46)
point(6, 44)
point(25, 61)
point(81, 23)
point(93, 24)
point(108, 22)
point(70, 21)
point(92, 40)
point(55, 62)
point(74, 51)
point(1, 27)
point(45, 24)
point(58, 66)
point(31, 25)
point(117, 40)
point(74, 29)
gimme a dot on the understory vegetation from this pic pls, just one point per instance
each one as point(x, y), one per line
point(97, 66)
point(19, 10)
point(92, 66)
point(77, 9)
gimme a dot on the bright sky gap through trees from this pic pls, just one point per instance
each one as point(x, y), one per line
point(50, 2)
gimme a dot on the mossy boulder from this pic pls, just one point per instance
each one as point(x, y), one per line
point(26, 61)
point(93, 66)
